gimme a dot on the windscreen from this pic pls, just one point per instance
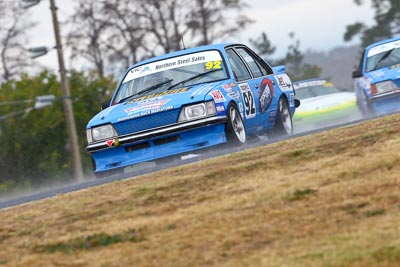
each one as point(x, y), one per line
point(384, 55)
point(172, 73)
point(314, 88)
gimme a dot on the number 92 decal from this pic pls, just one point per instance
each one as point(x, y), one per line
point(213, 65)
point(248, 98)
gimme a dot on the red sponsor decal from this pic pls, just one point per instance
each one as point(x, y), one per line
point(110, 142)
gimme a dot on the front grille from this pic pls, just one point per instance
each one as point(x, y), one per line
point(166, 140)
point(147, 122)
point(137, 147)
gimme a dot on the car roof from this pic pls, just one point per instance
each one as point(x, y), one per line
point(219, 46)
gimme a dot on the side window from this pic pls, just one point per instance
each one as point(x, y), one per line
point(239, 69)
point(258, 68)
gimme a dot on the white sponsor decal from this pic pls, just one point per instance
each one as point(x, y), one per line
point(284, 82)
point(248, 98)
point(146, 105)
point(383, 48)
point(172, 63)
point(218, 96)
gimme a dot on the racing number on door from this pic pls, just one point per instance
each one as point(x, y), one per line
point(249, 103)
point(248, 100)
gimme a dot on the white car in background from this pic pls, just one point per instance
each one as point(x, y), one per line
point(322, 105)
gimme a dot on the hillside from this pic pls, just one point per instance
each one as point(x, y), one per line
point(329, 199)
point(336, 64)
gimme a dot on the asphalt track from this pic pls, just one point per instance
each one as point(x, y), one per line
point(210, 153)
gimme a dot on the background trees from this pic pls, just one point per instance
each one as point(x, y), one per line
point(105, 37)
point(293, 59)
point(113, 35)
point(35, 147)
point(12, 39)
point(387, 18)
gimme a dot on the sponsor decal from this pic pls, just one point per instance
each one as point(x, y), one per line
point(291, 99)
point(114, 142)
point(234, 95)
point(175, 62)
point(220, 107)
point(248, 99)
point(146, 105)
point(170, 92)
point(395, 66)
point(213, 65)
point(284, 82)
point(144, 113)
point(383, 48)
point(218, 96)
point(228, 87)
point(146, 69)
point(265, 95)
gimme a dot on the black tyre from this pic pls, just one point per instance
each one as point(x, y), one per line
point(283, 125)
point(235, 131)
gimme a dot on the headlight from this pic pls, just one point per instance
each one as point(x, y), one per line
point(383, 87)
point(197, 111)
point(100, 133)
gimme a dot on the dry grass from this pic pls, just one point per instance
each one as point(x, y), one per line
point(331, 199)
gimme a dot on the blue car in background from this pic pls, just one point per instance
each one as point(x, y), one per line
point(188, 100)
point(377, 78)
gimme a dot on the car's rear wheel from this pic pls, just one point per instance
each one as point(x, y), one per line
point(284, 124)
point(235, 131)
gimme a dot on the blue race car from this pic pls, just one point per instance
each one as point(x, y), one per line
point(189, 100)
point(377, 79)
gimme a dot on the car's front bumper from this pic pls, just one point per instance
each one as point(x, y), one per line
point(158, 143)
point(385, 103)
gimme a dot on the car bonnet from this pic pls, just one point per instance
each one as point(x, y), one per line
point(153, 103)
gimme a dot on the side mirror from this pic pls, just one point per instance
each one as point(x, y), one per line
point(357, 73)
point(105, 104)
point(296, 102)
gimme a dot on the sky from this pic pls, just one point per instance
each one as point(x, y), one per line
point(318, 24)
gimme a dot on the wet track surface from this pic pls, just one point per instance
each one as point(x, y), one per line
point(209, 153)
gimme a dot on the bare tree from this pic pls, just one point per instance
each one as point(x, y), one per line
point(119, 33)
point(217, 20)
point(13, 30)
point(387, 19)
point(127, 32)
point(165, 20)
point(88, 34)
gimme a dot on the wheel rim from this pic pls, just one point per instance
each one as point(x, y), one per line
point(237, 125)
point(285, 116)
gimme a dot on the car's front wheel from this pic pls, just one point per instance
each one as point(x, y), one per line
point(284, 124)
point(235, 131)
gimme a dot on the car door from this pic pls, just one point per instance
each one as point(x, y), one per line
point(255, 86)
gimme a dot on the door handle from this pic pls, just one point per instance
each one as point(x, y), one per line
point(256, 85)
